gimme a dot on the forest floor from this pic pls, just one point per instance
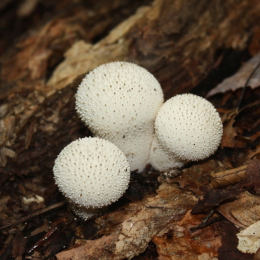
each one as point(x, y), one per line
point(196, 214)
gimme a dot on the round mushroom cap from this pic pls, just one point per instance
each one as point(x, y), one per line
point(117, 97)
point(189, 126)
point(92, 172)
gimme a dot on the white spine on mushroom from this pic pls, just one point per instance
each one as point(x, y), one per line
point(119, 101)
point(188, 127)
point(92, 173)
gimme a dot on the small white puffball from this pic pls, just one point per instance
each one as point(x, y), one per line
point(92, 172)
point(161, 159)
point(119, 101)
point(189, 126)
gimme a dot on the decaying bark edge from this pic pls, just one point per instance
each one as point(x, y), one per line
point(140, 222)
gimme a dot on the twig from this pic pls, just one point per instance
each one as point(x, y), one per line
point(46, 237)
point(35, 214)
point(206, 221)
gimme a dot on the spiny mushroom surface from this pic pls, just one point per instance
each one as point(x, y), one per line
point(119, 101)
point(188, 127)
point(92, 172)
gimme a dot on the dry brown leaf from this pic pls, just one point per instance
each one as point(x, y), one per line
point(27, 7)
point(254, 153)
point(242, 212)
point(228, 177)
point(36, 51)
point(230, 132)
point(178, 242)
point(253, 176)
point(196, 178)
point(136, 224)
point(240, 78)
point(248, 175)
point(213, 198)
point(254, 46)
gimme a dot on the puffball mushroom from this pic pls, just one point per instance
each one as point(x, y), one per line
point(162, 159)
point(92, 173)
point(188, 128)
point(119, 101)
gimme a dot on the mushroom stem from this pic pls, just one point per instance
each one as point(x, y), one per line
point(161, 159)
point(85, 213)
point(119, 101)
point(136, 146)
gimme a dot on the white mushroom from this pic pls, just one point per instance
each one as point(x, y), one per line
point(92, 173)
point(119, 101)
point(161, 159)
point(188, 128)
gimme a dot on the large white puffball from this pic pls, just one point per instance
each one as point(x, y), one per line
point(119, 101)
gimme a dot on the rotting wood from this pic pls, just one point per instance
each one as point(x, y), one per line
point(138, 223)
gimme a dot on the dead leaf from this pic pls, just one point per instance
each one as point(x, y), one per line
point(230, 132)
point(240, 78)
point(254, 153)
point(27, 7)
point(254, 45)
point(228, 177)
point(253, 176)
point(136, 224)
point(213, 199)
point(242, 212)
point(178, 242)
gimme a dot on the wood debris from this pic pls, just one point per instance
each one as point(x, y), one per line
point(140, 222)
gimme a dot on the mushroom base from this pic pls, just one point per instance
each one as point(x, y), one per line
point(85, 213)
point(136, 146)
point(161, 159)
